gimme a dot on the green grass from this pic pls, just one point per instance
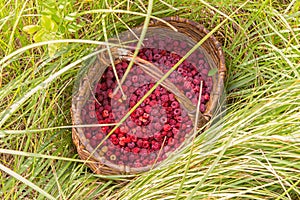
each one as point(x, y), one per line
point(253, 152)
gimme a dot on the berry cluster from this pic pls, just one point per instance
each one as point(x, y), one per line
point(159, 125)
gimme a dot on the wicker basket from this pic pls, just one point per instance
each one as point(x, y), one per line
point(212, 50)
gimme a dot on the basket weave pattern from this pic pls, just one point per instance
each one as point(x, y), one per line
point(212, 49)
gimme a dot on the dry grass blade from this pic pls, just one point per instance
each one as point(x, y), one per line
point(139, 44)
point(111, 58)
point(193, 143)
point(154, 72)
point(25, 181)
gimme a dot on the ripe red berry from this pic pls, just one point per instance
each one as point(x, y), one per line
point(177, 111)
point(171, 97)
point(164, 98)
point(99, 136)
point(124, 129)
point(92, 107)
point(104, 129)
point(174, 104)
point(139, 111)
point(144, 152)
point(146, 144)
point(163, 120)
point(105, 113)
point(138, 164)
point(115, 141)
point(134, 79)
point(157, 126)
point(157, 136)
point(122, 141)
point(146, 115)
point(206, 96)
point(153, 103)
point(140, 143)
point(189, 95)
point(133, 138)
point(148, 108)
point(172, 122)
point(167, 127)
point(130, 123)
point(93, 143)
point(171, 141)
point(169, 134)
point(136, 150)
point(88, 135)
point(131, 145)
point(92, 114)
point(202, 108)
point(155, 145)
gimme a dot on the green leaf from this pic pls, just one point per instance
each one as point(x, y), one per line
point(213, 71)
point(48, 23)
point(74, 27)
point(71, 17)
point(31, 29)
point(39, 36)
point(52, 49)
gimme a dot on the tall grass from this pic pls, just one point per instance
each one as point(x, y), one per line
point(252, 152)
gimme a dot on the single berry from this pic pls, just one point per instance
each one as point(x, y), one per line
point(136, 150)
point(105, 113)
point(131, 145)
point(167, 127)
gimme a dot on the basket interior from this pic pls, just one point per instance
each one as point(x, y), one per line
point(85, 95)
